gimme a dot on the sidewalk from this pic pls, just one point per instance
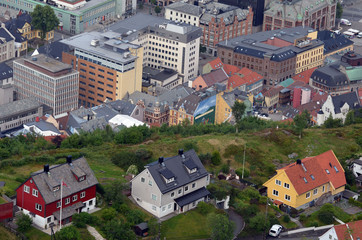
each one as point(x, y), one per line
point(94, 233)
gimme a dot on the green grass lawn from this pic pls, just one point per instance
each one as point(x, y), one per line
point(36, 234)
point(5, 234)
point(84, 234)
point(338, 213)
point(190, 225)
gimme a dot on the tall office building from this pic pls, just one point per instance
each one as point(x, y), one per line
point(49, 81)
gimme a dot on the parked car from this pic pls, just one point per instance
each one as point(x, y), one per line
point(275, 230)
point(346, 22)
point(359, 35)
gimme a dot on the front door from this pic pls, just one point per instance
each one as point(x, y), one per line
point(175, 207)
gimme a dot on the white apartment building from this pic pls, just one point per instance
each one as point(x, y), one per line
point(49, 81)
point(183, 12)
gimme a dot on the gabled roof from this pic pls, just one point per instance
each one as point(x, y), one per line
point(6, 35)
point(43, 126)
point(123, 107)
point(19, 22)
point(176, 165)
point(185, 8)
point(54, 49)
point(351, 230)
point(45, 182)
point(332, 41)
point(330, 76)
point(354, 73)
point(216, 63)
point(189, 103)
point(321, 167)
point(350, 98)
point(230, 69)
point(215, 76)
point(5, 71)
point(305, 75)
point(273, 91)
point(244, 76)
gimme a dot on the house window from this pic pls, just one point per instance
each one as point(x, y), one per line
point(142, 179)
point(172, 194)
point(278, 182)
point(287, 197)
point(26, 189)
point(307, 195)
point(286, 185)
point(75, 197)
point(327, 171)
point(305, 180)
point(150, 182)
point(58, 205)
point(81, 179)
point(82, 194)
point(335, 168)
point(35, 192)
point(275, 192)
point(37, 206)
point(323, 188)
point(312, 177)
point(170, 206)
point(49, 219)
point(186, 188)
point(154, 208)
point(67, 201)
point(315, 191)
point(90, 202)
point(179, 191)
point(194, 204)
point(163, 209)
point(154, 197)
point(193, 185)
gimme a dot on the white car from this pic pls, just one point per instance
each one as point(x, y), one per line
point(275, 230)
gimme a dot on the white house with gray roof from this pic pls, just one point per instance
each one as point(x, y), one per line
point(171, 185)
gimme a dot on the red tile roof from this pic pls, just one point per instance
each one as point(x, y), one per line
point(304, 76)
point(316, 166)
point(273, 91)
point(231, 69)
point(244, 76)
point(215, 76)
point(345, 231)
point(216, 63)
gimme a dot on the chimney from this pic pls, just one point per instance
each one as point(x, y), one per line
point(160, 160)
point(88, 117)
point(299, 161)
point(37, 119)
point(69, 159)
point(46, 168)
point(181, 152)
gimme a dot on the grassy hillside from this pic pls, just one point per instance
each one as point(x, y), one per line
point(265, 151)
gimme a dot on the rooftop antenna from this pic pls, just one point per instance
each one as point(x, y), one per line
point(47, 50)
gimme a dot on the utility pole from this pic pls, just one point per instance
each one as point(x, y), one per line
point(242, 176)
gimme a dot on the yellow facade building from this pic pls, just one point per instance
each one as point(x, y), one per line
point(308, 182)
point(309, 52)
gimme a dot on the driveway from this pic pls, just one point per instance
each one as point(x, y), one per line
point(238, 220)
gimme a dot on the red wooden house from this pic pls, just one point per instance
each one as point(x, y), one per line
point(39, 196)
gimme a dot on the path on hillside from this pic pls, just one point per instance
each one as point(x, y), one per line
point(94, 233)
point(238, 220)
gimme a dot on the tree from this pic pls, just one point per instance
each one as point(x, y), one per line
point(221, 227)
point(153, 226)
point(154, 2)
point(339, 10)
point(202, 49)
point(332, 123)
point(24, 222)
point(259, 223)
point(44, 19)
point(301, 121)
point(157, 10)
point(219, 190)
point(350, 119)
point(118, 230)
point(215, 158)
point(238, 111)
point(81, 219)
point(113, 192)
point(68, 233)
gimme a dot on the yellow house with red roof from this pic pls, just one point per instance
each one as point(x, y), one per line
point(308, 182)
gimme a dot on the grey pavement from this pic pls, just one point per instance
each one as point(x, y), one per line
point(94, 233)
point(238, 220)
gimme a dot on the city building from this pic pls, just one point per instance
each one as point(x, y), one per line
point(41, 128)
point(22, 25)
point(334, 43)
point(216, 64)
point(15, 114)
point(171, 185)
point(51, 82)
point(6, 84)
point(246, 80)
point(275, 55)
point(311, 181)
point(320, 15)
point(77, 16)
point(165, 78)
point(184, 109)
point(338, 107)
point(7, 44)
point(40, 195)
point(109, 68)
point(167, 44)
point(209, 79)
point(184, 12)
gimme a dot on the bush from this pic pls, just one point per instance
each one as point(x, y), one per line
point(216, 158)
point(225, 168)
point(286, 218)
point(326, 217)
point(313, 224)
point(204, 208)
point(205, 158)
point(191, 145)
point(80, 220)
point(68, 233)
point(258, 222)
point(109, 214)
point(24, 222)
point(302, 217)
point(135, 216)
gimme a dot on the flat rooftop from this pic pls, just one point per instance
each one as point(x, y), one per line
point(83, 42)
point(18, 107)
point(45, 62)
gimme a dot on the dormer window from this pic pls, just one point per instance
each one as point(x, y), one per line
point(56, 188)
point(82, 178)
point(170, 180)
point(167, 175)
point(190, 166)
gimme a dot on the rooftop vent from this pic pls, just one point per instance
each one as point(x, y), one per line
point(299, 161)
point(46, 168)
point(94, 43)
point(180, 152)
point(69, 159)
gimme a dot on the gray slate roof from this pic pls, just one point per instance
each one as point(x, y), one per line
point(43, 125)
point(192, 197)
point(5, 71)
point(17, 107)
point(45, 181)
point(330, 76)
point(177, 167)
point(104, 111)
point(189, 103)
point(219, 10)
point(123, 107)
point(185, 8)
point(350, 98)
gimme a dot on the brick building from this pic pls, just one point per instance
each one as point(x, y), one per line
point(318, 14)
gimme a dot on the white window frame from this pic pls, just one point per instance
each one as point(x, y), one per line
point(35, 192)
point(278, 182)
point(58, 204)
point(315, 191)
point(26, 189)
point(75, 198)
point(286, 185)
point(154, 197)
point(307, 195)
point(154, 208)
point(143, 180)
point(172, 194)
point(323, 188)
point(82, 194)
point(179, 192)
point(163, 208)
point(150, 183)
point(38, 207)
point(169, 206)
point(275, 192)
point(287, 197)
point(186, 188)
point(67, 201)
